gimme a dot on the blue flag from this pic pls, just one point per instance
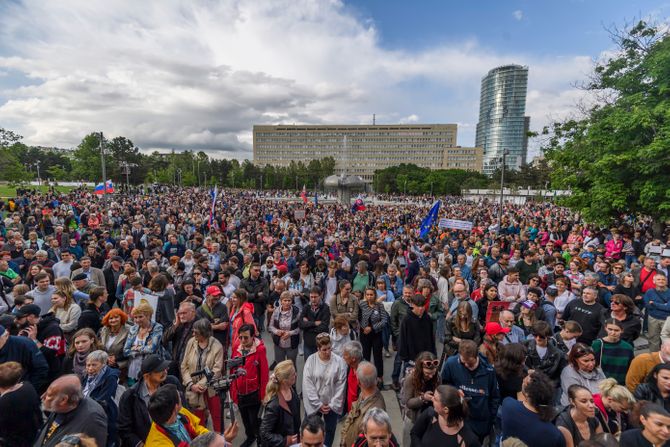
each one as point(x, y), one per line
point(430, 219)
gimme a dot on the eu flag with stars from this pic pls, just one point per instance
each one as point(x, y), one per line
point(430, 219)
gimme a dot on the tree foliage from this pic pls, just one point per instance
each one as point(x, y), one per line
point(616, 159)
point(411, 179)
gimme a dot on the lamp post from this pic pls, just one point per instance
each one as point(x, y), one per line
point(39, 179)
point(502, 190)
point(104, 170)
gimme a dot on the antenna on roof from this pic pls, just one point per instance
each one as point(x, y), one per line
point(374, 119)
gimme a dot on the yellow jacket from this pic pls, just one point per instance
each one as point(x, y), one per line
point(158, 438)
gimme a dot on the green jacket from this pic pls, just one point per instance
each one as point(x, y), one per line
point(398, 311)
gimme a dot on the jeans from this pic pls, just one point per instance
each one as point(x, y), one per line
point(397, 367)
point(331, 425)
point(654, 333)
point(308, 350)
point(386, 336)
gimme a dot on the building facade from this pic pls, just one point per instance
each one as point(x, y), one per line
point(502, 122)
point(360, 149)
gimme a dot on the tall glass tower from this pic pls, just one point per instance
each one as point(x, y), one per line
point(502, 122)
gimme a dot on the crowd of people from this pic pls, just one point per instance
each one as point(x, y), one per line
point(156, 318)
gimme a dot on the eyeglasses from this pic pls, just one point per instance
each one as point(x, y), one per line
point(430, 364)
point(616, 302)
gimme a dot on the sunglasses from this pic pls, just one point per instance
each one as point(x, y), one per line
point(541, 337)
point(322, 335)
point(430, 364)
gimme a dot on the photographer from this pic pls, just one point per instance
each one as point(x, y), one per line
point(248, 390)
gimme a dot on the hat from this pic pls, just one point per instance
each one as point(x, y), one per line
point(493, 328)
point(28, 309)
point(79, 277)
point(153, 363)
point(213, 291)
point(528, 304)
point(117, 259)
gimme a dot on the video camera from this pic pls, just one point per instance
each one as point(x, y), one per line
point(223, 383)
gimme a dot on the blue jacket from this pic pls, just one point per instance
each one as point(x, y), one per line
point(660, 308)
point(480, 386)
point(104, 393)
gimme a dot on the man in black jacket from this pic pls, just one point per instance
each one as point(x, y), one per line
point(258, 291)
point(112, 274)
point(178, 335)
point(46, 333)
point(416, 331)
point(315, 319)
point(134, 420)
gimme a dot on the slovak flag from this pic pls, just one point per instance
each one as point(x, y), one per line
point(303, 194)
point(358, 205)
point(100, 189)
point(213, 194)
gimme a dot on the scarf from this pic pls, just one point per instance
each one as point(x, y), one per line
point(93, 381)
point(79, 363)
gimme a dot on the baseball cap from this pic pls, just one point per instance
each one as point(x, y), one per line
point(213, 291)
point(529, 304)
point(28, 309)
point(493, 328)
point(153, 363)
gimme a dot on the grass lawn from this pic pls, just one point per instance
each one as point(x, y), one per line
point(9, 191)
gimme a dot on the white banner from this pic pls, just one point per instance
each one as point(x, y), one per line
point(455, 224)
point(152, 300)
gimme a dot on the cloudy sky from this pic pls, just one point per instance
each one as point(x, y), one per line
point(197, 74)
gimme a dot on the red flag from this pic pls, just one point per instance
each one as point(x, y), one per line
point(303, 194)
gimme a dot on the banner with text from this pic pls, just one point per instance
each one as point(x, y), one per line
point(455, 224)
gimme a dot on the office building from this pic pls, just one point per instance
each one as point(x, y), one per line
point(363, 149)
point(502, 122)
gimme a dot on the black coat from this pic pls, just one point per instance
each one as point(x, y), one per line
point(134, 421)
point(279, 421)
point(308, 320)
point(552, 364)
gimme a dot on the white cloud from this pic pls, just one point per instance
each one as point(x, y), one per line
point(518, 14)
point(199, 73)
point(409, 119)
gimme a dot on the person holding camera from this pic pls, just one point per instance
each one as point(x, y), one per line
point(202, 351)
point(248, 390)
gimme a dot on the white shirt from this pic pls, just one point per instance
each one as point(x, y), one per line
point(324, 383)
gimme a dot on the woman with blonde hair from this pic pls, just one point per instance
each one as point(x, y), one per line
point(65, 309)
point(281, 419)
point(143, 339)
point(612, 406)
point(66, 286)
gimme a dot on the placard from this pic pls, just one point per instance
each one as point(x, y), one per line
point(493, 310)
point(299, 214)
point(455, 224)
point(151, 300)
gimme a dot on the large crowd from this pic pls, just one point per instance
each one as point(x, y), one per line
point(156, 318)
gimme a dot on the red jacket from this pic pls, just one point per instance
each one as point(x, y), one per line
point(258, 372)
point(244, 316)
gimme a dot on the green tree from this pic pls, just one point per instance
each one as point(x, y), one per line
point(616, 159)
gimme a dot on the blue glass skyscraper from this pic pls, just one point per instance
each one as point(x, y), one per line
point(502, 122)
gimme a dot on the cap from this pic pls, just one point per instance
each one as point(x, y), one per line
point(28, 309)
point(117, 259)
point(528, 304)
point(493, 328)
point(213, 291)
point(153, 363)
point(79, 277)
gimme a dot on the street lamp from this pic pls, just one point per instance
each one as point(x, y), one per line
point(104, 169)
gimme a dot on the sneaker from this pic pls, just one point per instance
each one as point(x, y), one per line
point(395, 385)
point(387, 354)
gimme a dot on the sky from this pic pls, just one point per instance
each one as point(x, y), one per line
point(198, 74)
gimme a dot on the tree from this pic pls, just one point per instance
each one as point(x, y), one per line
point(616, 159)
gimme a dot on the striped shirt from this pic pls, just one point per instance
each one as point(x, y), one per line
point(613, 358)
